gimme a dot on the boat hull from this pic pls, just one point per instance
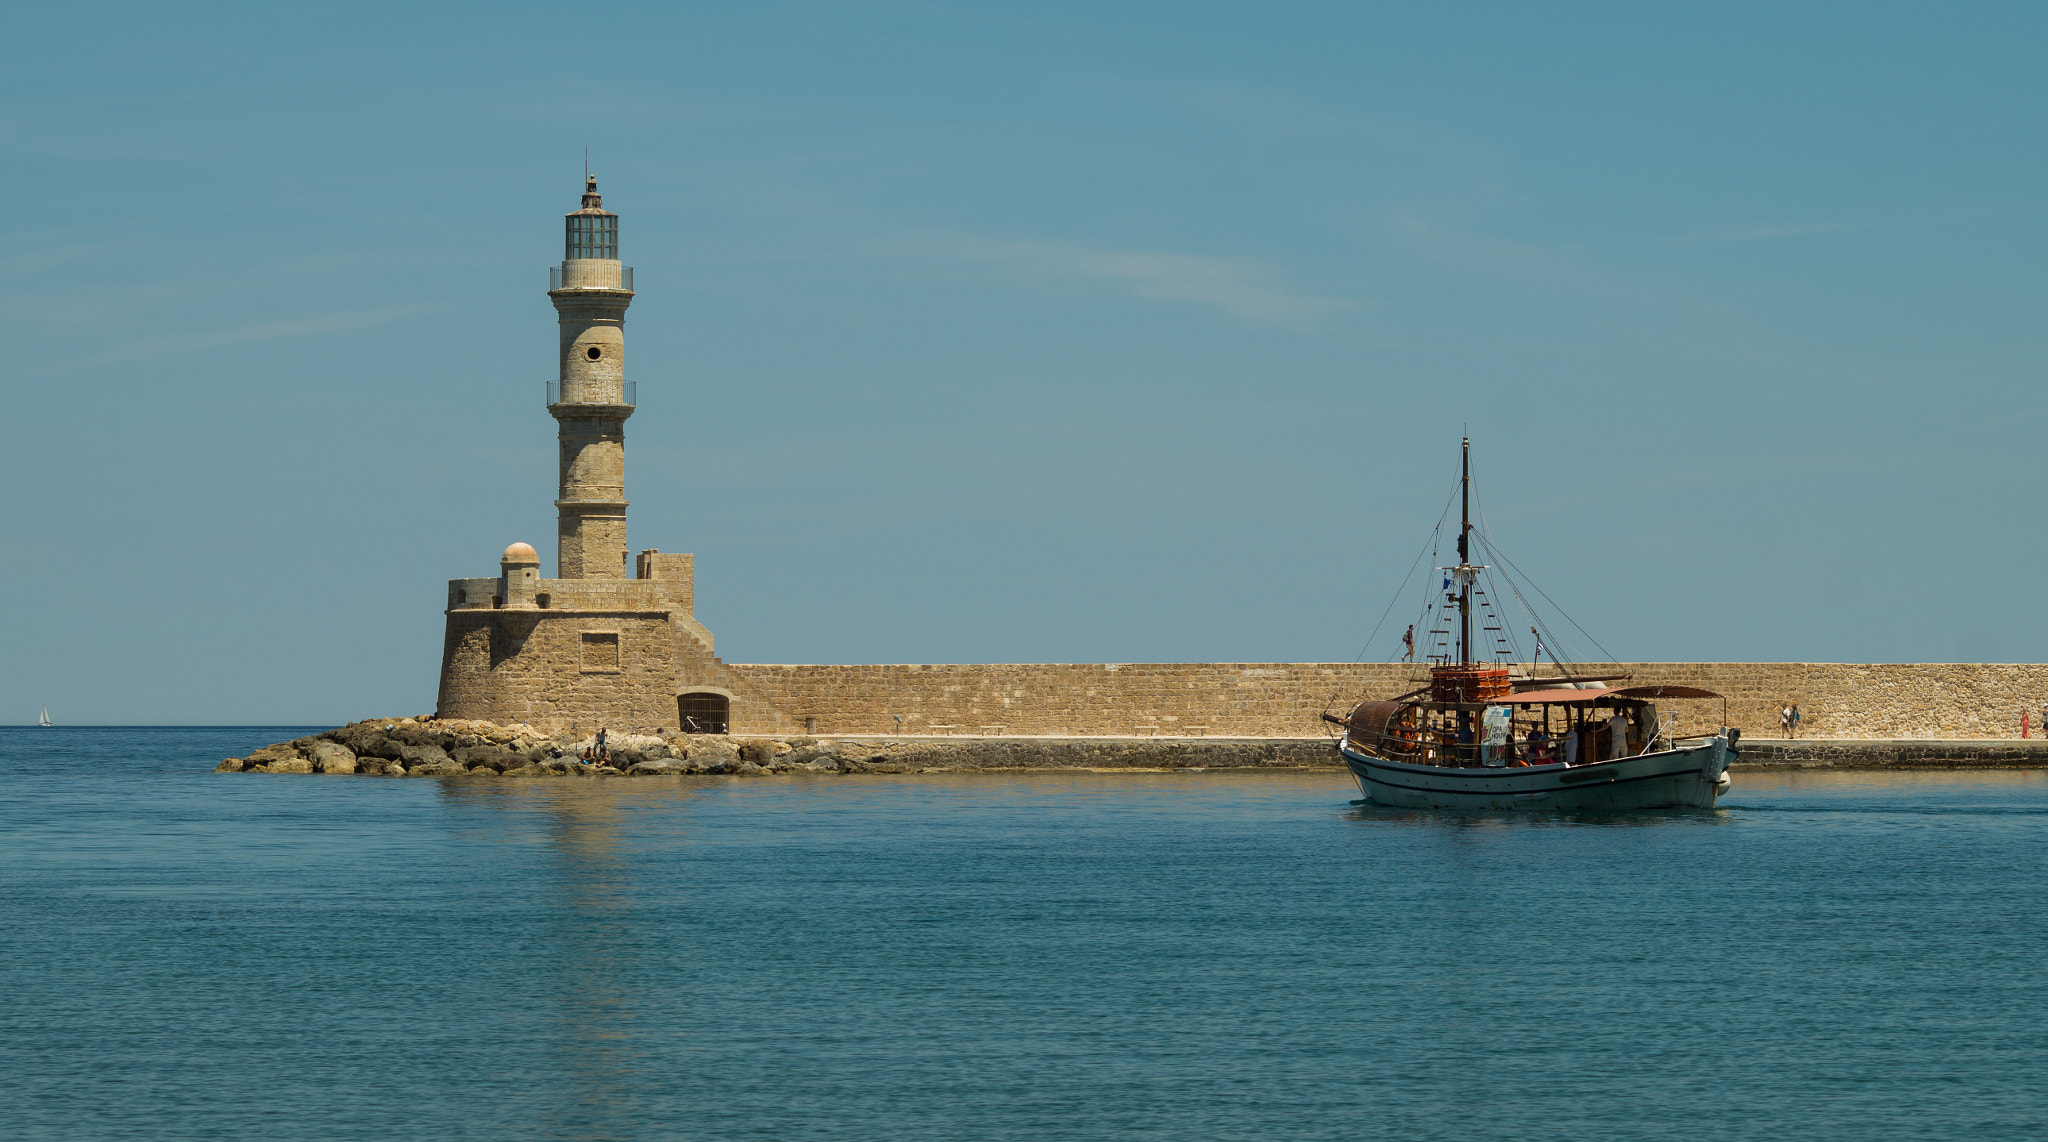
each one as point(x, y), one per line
point(1692, 776)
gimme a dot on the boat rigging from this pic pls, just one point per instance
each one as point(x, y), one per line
point(1477, 736)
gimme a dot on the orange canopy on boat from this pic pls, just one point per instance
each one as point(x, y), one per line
point(1554, 696)
point(1663, 692)
point(1573, 696)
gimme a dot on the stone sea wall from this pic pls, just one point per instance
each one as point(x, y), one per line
point(1285, 700)
point(1839, 753)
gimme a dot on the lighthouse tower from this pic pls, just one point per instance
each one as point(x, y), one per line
point(592, 400)
point(604, 644)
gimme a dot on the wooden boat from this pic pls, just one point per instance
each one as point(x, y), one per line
point(1478, 737)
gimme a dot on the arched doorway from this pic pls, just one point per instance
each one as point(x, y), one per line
point(703, 712)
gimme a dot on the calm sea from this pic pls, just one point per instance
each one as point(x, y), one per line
point(1193, 956)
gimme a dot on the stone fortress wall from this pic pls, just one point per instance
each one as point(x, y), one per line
point(1286, 700)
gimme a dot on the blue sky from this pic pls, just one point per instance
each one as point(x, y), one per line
point(1138, 332)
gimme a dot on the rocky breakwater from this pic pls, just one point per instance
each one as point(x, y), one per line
point(421, 747)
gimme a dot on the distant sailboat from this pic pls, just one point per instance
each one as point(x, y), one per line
point(46, 717)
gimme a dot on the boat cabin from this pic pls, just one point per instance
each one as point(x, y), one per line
point(1486, 721)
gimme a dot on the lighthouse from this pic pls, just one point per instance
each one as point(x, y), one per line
point(605, 643)
point(591, 398)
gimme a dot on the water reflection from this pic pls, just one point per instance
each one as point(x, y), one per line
point(584, 842)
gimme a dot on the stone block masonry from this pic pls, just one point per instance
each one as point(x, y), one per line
point(1286, 700)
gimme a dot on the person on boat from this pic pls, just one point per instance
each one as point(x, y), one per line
point(1536, 749)
point(1617, 735)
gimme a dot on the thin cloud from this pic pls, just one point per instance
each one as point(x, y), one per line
point(1759, 233)
point(1504, 260)
point(1241, 287)
point(268, 331)
point(21, 265)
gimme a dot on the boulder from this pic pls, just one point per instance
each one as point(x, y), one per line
point(229, 765)
point(420, 734)
point(415, 756)
point(487, 756)
point(625, 749)
point(534, 750)
point(664, 767)
point(282, 751)
point(441, 768)
point(637, 753)
point(373, 743)
point(811, 751)
point(748, 769)
point(757, 750)
point(528, 771)
point(353, 733)
point(293, 764)
point(709, 749)
point(331, 757)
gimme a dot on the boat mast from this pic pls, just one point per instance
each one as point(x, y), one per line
point(1465, 556)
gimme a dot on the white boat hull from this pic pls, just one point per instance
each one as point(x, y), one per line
point(1689, 777)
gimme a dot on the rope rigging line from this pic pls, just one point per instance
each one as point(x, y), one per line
point(1431, 600)
point(1528, 612)
point(1496, 552)
point(1543, 629)
point(1429, 547)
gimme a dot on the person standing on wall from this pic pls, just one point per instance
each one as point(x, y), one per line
point(1795, 719)
point(1408, 644)
point(1785, 720)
